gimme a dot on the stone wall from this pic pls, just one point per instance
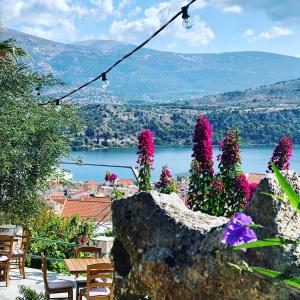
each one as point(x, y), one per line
point(165, 251)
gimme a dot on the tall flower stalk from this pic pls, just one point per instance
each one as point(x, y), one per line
point(282, 154)
point(145, 158)
point(236, 191)
point(112, 178)
point(166, 183)
point(201, 170)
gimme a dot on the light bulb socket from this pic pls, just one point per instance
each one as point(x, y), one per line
point(57, 102)
point(185, 13)
point(103, 77)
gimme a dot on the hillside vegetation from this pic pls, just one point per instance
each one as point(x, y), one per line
point(165, 92)
point(263, 115)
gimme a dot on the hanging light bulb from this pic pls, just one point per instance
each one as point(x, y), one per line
point(58, 106)
point(38, 88)
point(105, 82)
point(186, 20)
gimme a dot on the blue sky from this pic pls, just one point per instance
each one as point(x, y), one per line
point(219, 25)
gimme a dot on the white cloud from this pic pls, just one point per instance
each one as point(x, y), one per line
point(124, 3)
point(154, 17)
point(248, 34)
point(233, 9)
point(200, 34)
point(44, 18)
point(102, 8)
point(134, 12)
point(274, 32)
point(54, 33)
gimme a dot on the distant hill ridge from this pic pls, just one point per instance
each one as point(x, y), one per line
point(152, 74)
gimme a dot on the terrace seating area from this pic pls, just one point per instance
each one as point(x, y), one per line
point(33, 280)
point(91, 273)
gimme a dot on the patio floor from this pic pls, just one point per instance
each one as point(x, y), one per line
point(34, 280)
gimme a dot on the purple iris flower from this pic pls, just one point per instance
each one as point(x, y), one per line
point(237, 231)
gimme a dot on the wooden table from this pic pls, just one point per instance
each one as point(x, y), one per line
point(79, 265)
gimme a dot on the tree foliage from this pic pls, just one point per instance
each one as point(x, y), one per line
point(31, 140)
point(9, 52)
point(117, 125)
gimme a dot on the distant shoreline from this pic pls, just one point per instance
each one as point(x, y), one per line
point(175, 146)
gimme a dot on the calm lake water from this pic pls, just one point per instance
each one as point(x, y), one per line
point(254, 160)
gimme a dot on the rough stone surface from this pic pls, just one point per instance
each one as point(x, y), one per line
point(165, 251)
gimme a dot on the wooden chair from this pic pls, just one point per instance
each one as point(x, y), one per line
point(99, 282)
point(6, 244)
point(53, 287)
point(87, 251)
point(19, 255)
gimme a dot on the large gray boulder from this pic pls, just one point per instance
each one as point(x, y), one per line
point(166, 251)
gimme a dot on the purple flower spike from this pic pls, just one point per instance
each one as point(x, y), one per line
point(237, 231)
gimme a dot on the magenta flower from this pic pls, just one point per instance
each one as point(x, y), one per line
point(201, 170)
point(203, 149)
point(229, 147)
point(252, 187)
point(241, 186)
point(282, 154)
point(166, 183)
point(111, 177)
point(145, 158)
point(217, 186)
point(146, 147)
point(237, 231)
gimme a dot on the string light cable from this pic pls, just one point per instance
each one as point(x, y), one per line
point(186, 23)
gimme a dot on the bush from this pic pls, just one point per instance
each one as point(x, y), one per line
point(56, 237)
point(29, 294)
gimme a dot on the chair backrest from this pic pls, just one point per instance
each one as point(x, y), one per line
point(44, 270)
point(6, 245)
point(25, 239)
point(104, 272)
point(88, 251)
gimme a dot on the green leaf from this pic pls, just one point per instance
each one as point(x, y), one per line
point(290, 280)
point(253, 225)
point(276, 196)
point(293, 197)
point(265, 243)
point(235, 266)
point(293, 281)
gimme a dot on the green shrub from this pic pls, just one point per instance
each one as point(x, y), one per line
point(29, 294)
point(56, 237)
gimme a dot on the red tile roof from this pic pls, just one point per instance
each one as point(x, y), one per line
point(58, 199)
point(255, 177)
point(91, 184)
point(126, 182)
point(55, 194)
point(98, 210)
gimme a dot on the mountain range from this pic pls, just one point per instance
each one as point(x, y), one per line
point(152, 74)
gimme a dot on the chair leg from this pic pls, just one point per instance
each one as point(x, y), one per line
point(47, 296)
point(6, 272)
point(23, 267)
point(18, 260)
point(70, 294)
point(77, 292)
